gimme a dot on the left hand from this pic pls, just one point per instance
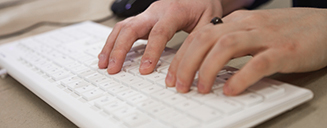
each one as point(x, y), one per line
point(280, 40)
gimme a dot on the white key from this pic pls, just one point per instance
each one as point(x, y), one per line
point(140, 85)
point(134, 71)
point(154, 77)
point(127, 93)
point(204, 97)
point(162, 94)
point(121, 76)
point(147, 104)
point(159, 110)
point(190, 93)
point(70, 79)
point(266, 89)
point(77, 84)
point(205, 114)
point(151, 89)
point(85, 73)
point(136, 120)
point(224, 105)
point(137, 99)
point(161, 82)
point(93, 94)
point(72, 65)
point(107, 85)
point(60, 75)
point(161, 66)
point(128, 65)
point(83, 89)
point(104, 100)
point(187, 105)
point(131, 80)
point(174, 99)
point(99, 80)
point(247, 98)
point(79, 69)
point(171, 116)
point(125, 111)
point(117, 89)
point(113, 106)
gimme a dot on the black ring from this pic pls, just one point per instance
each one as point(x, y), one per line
point(216, 20)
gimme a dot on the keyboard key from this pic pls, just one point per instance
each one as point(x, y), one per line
point(76, 84)
point(174, 99)
point(266, 90)
point(104, 100)
point(147, 104)
point(117, 89)
point(107, 85)
point(140, 85)
point(247, 98)
point(125, 111)
point(113, 106)
point(187, 105)
point(127, 93)
point(205, 114)
point(93, 94)
point(83, 89)
point(162, 94)
point(151, 89)
point(137, 99)
point(224, 105)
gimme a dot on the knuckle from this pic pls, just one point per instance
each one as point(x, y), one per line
point(204, 35)
point(227, 41)
point(160, 31)
point(263, 63)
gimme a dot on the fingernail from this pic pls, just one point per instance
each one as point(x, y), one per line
point(227, 89)
point(102, 57)
point(201, 87)
point(179, 85)
point(169, 80)
point(111, 63)
point(145, 64)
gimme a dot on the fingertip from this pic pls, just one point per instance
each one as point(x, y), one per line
point(181, 87)
point(147, 66)
point(103, 61)
point(170, 80)
point(113, 66)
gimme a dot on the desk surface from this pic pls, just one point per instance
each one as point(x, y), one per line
point(21, 108)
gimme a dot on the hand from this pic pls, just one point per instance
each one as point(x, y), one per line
point(157, 24)
point(280, 40)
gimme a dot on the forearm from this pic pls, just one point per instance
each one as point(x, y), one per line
point(229, 6)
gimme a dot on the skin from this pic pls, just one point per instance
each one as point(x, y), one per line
point(281, 40)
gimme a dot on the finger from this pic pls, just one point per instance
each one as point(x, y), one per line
point(104, 54)
point(131, 30)
point(261, 65)
point(171, 75)
point(207, 17)
point(227, 47)
point(160, 34)
point(197, 50)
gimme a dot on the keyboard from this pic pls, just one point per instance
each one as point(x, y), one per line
point(60, 67)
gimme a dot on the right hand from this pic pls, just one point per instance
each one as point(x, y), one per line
point(157, 24)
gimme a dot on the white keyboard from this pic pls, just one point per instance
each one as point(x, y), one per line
point(60, 67)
